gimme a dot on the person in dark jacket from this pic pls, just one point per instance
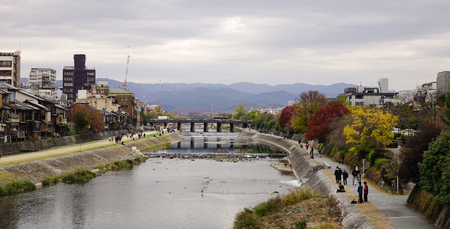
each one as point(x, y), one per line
point(360, 193)
point(355, 176)
point(341, 188)
point(337, 174)
point(344, 177)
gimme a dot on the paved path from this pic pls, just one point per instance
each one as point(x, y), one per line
point(63, 150)
point(393, 206)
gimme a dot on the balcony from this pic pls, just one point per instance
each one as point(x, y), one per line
point(14, 118)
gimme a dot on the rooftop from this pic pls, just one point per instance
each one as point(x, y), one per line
point(118, 90)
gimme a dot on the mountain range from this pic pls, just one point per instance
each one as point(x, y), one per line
point(202, 97)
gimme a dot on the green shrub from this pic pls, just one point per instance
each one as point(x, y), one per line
point(246, 219)
point(19, 186)
point(379, 162)
point(2, 191)
point(46, 182)
point(300, 224)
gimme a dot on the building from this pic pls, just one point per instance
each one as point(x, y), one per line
point(42, 82)
point(10, 68)
point(77, 77)
point(426, 93)
point(366, 96)
point(443, 83)
point(127, 102)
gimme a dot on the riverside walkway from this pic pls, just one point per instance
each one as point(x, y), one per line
point(392, 207)
point(64, 150)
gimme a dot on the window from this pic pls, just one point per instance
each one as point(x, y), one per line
point(5, 72)
point(121, 99)
point(6, 63)
point(68, 84)
point(68, 73)
point(68, 89)
point(68, 78)
point(126, 99)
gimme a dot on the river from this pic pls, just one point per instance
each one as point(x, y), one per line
point(161, 193)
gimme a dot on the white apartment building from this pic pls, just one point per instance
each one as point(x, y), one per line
point(42, 77)
point(366, 96)
point(10, 68)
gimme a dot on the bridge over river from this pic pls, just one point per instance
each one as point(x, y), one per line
point(205, 122)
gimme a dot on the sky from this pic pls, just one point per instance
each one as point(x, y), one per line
point(259, 41)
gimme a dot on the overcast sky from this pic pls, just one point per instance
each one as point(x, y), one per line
point(259, 41)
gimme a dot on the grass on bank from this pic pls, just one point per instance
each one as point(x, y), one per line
point(65, 150)
point(291, 210)
point(17, 187)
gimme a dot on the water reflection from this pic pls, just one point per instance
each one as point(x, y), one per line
point(160, 193)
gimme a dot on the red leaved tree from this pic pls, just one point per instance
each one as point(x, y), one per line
point(285, 118)
point(83, 116)
point(320, 124)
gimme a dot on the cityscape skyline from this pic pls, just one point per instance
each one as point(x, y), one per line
point(262, 42)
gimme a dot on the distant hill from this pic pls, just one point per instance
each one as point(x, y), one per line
point(201, 97)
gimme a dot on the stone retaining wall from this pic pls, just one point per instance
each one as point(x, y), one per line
point(317, 180)
point(27, 146)
point(35, 171)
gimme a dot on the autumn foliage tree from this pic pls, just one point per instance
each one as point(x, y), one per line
point(321, 123)
point(83, 116)
point(370, 128)
point(307, 104)
point(285, 118)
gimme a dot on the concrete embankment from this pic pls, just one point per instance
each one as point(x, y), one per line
point(35, 171)
point(316, 179)
point(27, 146)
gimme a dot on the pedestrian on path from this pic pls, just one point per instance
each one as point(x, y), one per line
point(337, 174)
point(355, 175)
point(360, 193)
point(366, 191)
point(344, 177)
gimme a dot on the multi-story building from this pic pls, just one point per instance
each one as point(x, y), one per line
point(43, 82)
point(10, 68)
point(426, 93)
point(77, 77)
point(366, 96)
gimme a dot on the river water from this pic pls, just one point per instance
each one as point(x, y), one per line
point(161, 193)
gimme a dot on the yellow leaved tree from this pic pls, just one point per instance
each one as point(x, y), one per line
point(369, 128)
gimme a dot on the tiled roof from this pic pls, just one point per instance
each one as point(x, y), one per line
point(118, 90)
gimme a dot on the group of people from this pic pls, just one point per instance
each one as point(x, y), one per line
point(340, 175)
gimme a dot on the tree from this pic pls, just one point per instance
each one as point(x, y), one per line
point(307, 104)
point(240, 110)
point(84, 115)
point(412, 152)
point(435, 169)
point(285, 118)
point(446, 117)
point(320, 124)
point(144, 118)
point(370, 128)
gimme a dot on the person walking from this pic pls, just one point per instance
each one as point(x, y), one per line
point(344, 177)
point(366, 191)
point(337, 174)
point(360, 193)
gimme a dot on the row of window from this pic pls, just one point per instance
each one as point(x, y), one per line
point(68, 89)
point(68, 73)
point(5, 73)
point(68, 84)
point(5, 63)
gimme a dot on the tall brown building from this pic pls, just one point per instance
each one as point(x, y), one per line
point(77, 77)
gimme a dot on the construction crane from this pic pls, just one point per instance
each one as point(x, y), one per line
point(145, 98)
point(126, 74)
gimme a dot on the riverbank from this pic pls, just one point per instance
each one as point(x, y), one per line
point(314, 177)
point(37, 170)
